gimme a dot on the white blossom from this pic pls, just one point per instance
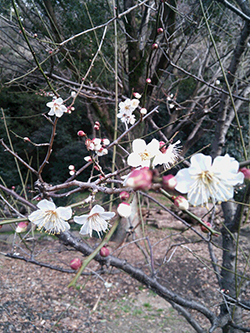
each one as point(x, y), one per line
point(204, 180)
point(95, 220)
point(56, 107)
point(52, 219)
point(145, 155)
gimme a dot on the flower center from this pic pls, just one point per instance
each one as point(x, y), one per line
point(206, 177)
point(51, 215)
point(145, 155)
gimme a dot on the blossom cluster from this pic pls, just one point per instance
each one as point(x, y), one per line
point(54, 220)
point(97, 145)
point(126, 110)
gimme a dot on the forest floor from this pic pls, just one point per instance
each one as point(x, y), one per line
point(37, 299)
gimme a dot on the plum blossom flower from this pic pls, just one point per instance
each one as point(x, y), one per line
point(170, 154)
point(52, 219)
point(144, 155)
point(56, 107)
point(204, 180)
point(95, 220)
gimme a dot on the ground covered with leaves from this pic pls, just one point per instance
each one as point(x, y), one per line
point(37, 299)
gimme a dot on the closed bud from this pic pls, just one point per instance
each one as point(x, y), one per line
point(104, 252)
point(140, 179)
point(137, 95)
point(26, 139)
point(160, 31)
point(169, 182)
point(22, 227)
point(75, 263)
point(204, 229)
point(124, 195)
point(181, 202)
point(246, 173)
point(155, 46)
point(143, 111)
point(148, 80)
point(81, 133)
point(124, 209)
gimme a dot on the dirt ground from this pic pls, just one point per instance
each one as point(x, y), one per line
point(37, 299)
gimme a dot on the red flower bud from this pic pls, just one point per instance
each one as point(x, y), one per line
point(81, 133)
point(124, 195)
point(169, 182)
point(148, 80)
point(22, 227)
point(104, 252)
point(181, 202)
point(160, 31)
point(75, 263)
point(140, 179)
point(155, 46)
point(204, 229)
point(246, 172)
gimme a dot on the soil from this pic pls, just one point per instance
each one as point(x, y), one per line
point(37, 299)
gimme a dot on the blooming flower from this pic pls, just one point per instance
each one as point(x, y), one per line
point(52, 219)
point(204, 180)
point(144, 155)
point(170, 154)
point(56, 107)
point(95, 220)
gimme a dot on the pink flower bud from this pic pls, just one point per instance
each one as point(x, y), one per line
point(148, 80)
point(154, 46)
point(137, 95)
point(96, 127)
point(104, 252)
point(246, 172)
point(124, 209)
point(169, 182)
point(75, 263)
point(81, 133)
point(160, 31)
point(124, 195)
point(204, 229)
point(97, 123)
point(13, 187)
point(181, 202)
point(163, 148)
point(22, 227)
point(71, 167)
point(140, 179)
point(26, 139)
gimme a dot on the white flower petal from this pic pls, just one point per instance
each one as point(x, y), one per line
point(64, 212)
point(46, 204)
